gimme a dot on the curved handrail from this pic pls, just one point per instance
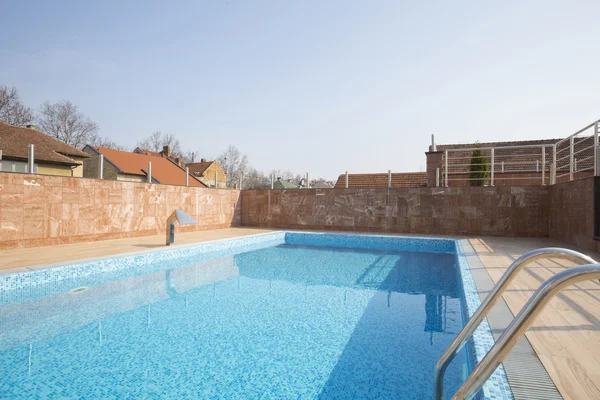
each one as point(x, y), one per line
point(517, 328)
point(491, 300)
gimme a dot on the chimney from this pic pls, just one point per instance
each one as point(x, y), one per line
point(203, 160)
point(166, 151)
point(30, 126)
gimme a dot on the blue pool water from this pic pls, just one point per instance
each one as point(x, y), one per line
point(282, 321)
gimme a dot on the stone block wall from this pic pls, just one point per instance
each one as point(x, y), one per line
point(38, 210)
point(572, 213)
point(496, 211)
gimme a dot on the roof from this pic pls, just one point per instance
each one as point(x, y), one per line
point(284, 184)
point(199, 168)
point(321, 185)
point(15, 141)
point(441, 147)
point(399, 179)
point(146, 152)
point(163, 170)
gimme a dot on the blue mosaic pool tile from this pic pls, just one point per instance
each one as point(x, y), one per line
point(497, 386)
point(71, 271)
point(371, 242)
point(129, 265)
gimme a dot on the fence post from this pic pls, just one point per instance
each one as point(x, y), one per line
point(596, 149)
point(346, 179)
point(30, 159)
point(572, 150)
point(101, 167)
point(553, 170)
point(187, 176)
point(446, 167)
point(492, 169)
point(149, 171)
point(543, 165)
point(389, 178)
point(437, 177)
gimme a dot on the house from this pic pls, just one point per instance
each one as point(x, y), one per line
point(133, 167)
point(284, 184)
point(52, 157)
point(207, 172)
point(378, 180)
point(165, 153)
point(321, 185)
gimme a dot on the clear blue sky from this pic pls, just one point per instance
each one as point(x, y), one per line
point(318, 86)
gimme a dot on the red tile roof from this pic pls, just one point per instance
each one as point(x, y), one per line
point(15, 141)
point(199, 167)
point(163, 170)
point(399, 179)
point(147, 152)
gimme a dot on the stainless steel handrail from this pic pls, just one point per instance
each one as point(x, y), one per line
point(521, 323)
point(491, 300)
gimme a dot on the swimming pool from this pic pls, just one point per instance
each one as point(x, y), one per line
point(278, 315)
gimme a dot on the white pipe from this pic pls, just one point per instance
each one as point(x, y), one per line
point(543, 165)
point(307, 181)
point(433, 146)
point(437, 177)
point(30, 160)
point(101, 167)
point(272, 181)
point(216, 181)
point(389, 178)
point(492, 174)
point(187, 176)
point(346, 179)
point(572, 150)
point(446, 166)
point(150, 172)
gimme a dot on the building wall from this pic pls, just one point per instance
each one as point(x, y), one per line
point(39, 210)
point(78, 171)
point(51, 169)
point(498, 211)
point(572, 213)
point(91, 167)
point(208, 178)
point(131, 178)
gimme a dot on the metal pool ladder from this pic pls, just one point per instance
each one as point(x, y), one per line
point(521, 322)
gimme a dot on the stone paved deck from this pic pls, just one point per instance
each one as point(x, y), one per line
point(566, 336)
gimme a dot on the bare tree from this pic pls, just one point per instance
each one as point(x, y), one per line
point(255, 179)
point(189, 156)
point(158, 140)
point(64, 122)
point(234, 163)
point(12, 111)
point(99, 141)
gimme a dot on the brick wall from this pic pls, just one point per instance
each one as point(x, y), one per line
point(499, 211)
point(91, 166)
point(38, 210)
point(572, 213)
